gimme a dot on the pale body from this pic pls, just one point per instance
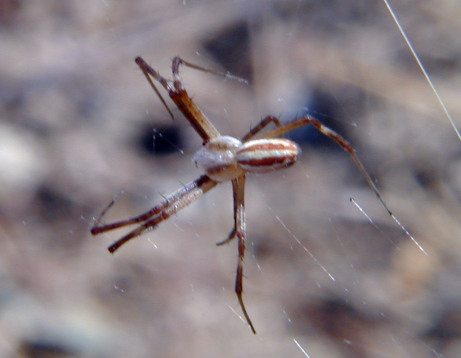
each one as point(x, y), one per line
point(225, 158)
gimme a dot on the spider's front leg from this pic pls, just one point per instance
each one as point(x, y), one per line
point(197, 119)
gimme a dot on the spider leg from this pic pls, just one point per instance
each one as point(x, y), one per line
point(239, 231)
point(306, 120)
point(231, 236)
point(263, 124)
point(197, 119)
point(177, 61)
point(149, 71)
point(173, 203)
point(99, 229)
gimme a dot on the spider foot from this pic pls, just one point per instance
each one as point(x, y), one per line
point(245, 313)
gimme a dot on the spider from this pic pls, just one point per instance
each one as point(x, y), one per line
point(224, 158)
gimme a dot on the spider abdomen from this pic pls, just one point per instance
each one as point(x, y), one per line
point(265, 155)
point(225, 158)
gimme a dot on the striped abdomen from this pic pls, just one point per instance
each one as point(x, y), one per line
point(264, 155)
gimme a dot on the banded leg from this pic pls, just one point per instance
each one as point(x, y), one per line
point(263, 124)
point(197, 119)
point(240, 231)
point(171, 205)
point(306, 120)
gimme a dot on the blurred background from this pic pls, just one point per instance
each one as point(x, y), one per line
point(79, 123)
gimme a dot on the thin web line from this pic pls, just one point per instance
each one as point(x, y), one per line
point(301, 244)
point(301, 348)
point(423, 70)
